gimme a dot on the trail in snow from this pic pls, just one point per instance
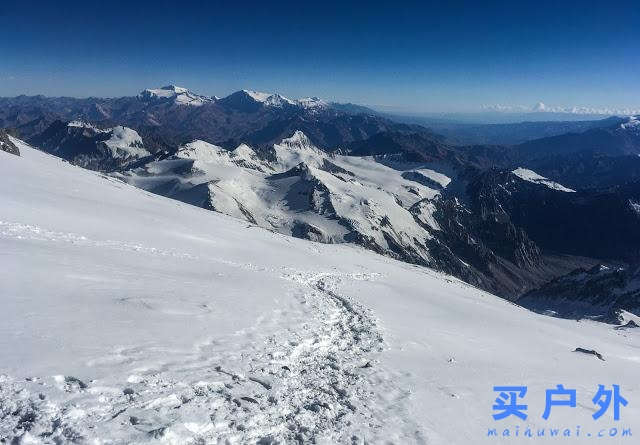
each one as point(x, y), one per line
point(304, 373)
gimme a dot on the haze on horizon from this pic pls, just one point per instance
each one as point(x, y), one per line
point(423, 57)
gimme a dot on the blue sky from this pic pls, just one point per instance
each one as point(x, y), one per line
point(426, 56)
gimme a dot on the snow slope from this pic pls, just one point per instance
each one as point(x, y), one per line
point(131, 318)
point(531, 176)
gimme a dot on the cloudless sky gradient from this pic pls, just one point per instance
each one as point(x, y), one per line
point(409, 56)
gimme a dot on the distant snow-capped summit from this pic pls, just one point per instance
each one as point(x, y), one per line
point(249, 100)
point(273, 99)
point(179, 95)
point(312, 102)
point(631, 123)
point(243, 100)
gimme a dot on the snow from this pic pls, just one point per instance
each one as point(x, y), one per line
point(531, 176)
point(296, 193)
point(632, 123)
point(179, 95)
point(258, 96)
point(270, 99)
point(125, 142)
point(183, 96)
point(132, 318)
point(82, 124)
point(435, 176)
point(277, 100)
point(312, 103)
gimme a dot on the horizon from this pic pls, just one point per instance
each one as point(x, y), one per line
point(501, 57)
point(485, 115)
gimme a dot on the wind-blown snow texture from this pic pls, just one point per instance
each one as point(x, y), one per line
point(131, 318)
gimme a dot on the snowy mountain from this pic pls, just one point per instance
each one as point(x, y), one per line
point(88, 146)
point(170, 116)
point(131, 318)
point(174, 94)
point(251, 101)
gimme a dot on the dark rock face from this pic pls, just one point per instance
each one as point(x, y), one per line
point(617, 139)
point(485, 248)
point(7, 145)
point(595, 223)
point(600, 292)
point(408, 147)
point(510, 236)
point(589, 170)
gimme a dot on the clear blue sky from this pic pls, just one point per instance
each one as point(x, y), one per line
point(426, 56)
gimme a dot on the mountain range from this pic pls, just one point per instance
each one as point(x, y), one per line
point(511, 219)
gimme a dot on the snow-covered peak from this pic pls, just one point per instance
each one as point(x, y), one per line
point(632, 123)
point(531, 176)
point(257, 95)
point(205, 153)
point(298, 140)
point(125, 135)
point(180, 95)
point(243, 150)
point(117, 143)
point(199, 150)
point(164, 92)
point(312, 102)
point(271, 99)
point(277, 100)
point(298, 148)
point(125, 142)
point(176, 89)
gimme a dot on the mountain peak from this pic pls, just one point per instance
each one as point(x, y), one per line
point(300, 143)
point(312, 102)
point(631, 122)
point(272, 99)
point(179, 95)
point(298, 138)
point(258, 96)
point(175, 89)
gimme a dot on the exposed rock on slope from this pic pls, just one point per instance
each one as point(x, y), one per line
point(91, 147)
point(601, 292)
point(6, 144)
